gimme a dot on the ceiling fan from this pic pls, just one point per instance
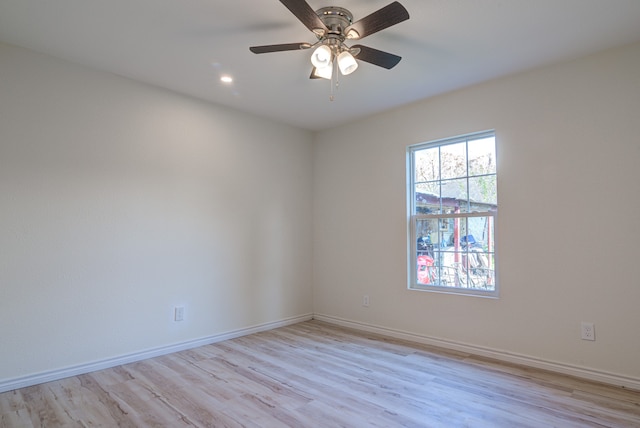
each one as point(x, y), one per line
point(332, 26)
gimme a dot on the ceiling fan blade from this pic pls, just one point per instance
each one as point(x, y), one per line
point(306, 15)
point(389, 15)
point(279, 48)
point(376, 57)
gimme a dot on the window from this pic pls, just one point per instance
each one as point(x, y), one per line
point(453, 203)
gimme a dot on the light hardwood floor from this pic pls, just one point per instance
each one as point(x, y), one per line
point(314, 374)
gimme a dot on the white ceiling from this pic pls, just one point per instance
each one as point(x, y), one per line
point(186, 45)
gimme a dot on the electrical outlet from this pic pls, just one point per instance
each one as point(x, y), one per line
point(178, 313)
point(588, 331)
point(365, 301)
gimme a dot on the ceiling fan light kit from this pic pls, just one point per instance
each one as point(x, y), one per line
point(322, 57)
point(321, 73)
point(332, 26)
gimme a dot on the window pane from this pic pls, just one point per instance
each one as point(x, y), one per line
point(455, 195)
point(427, 236)
point(427, 165)
point(483, 192)
point(480, 233)
point(454, 160)
point(426, 271)
point(427, 233)
point(446, 262)
point(482, 156)
point(479, 266)
point(427, 198)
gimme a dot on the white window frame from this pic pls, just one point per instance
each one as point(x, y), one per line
point(413, 218)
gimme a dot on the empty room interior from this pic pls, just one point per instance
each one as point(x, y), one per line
point(172, 200)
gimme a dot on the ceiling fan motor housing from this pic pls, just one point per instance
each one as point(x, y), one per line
point(336, 19)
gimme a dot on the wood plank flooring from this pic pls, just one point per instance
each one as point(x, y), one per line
point(314, 374)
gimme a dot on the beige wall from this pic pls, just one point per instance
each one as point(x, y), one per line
point(568, 190)
point(119, 201)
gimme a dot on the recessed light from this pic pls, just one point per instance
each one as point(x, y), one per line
point(226, 79)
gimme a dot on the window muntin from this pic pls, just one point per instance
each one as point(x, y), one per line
point(453, 205)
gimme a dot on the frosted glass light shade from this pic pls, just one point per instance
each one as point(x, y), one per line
point(325, 72)
point(347, 63)
point(321, 57)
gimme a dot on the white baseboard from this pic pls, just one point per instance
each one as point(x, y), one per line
point(567, 369)
point(580, 372)
point(48, 376)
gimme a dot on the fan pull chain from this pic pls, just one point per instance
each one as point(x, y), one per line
point(335, 82)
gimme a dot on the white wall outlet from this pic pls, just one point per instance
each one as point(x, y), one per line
point(178, 313)
point(365, 301)
point(588, 331)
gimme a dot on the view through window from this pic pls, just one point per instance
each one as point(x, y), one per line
point(453, 205)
